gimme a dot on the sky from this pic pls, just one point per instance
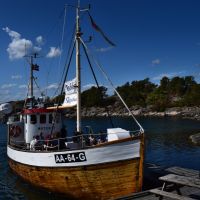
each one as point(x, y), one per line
point(153, 39)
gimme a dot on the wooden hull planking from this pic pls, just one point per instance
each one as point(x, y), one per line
point(105, 181)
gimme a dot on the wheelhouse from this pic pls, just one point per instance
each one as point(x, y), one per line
point(32, 123)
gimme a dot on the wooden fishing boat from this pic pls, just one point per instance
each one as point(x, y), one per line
point(41, 153)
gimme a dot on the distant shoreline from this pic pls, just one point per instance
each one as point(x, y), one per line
point(182, 112)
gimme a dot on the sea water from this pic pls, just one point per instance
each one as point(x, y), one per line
point(167, 144)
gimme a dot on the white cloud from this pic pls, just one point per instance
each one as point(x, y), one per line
point(155, 62)
point(169, 75)
point(52, 86)
point(54, 52)
point(39, 43)
point(23, 86)
point(16, 77)
point(36, 49)
point(5, 98)
point(10, 85)
point(19, 96)
point(104, 49)
point(12, 34)
point(4, 92)
point(109, 91)
point(39, 40)
point(88, 86)
point(18, 46)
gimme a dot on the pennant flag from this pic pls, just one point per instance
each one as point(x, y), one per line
point(35, 67)
point(97, 28)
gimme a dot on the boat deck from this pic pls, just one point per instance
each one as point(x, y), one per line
point(181, 183)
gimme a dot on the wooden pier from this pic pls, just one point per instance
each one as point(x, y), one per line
point(180, 184)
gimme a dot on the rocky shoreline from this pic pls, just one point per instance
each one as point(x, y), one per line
point(195, 138)
point(183, 112)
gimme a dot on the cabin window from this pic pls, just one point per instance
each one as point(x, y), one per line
point(50, 118)
point(42, 119)
point(33, 119)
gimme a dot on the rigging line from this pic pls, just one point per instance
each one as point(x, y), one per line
point(37, 85)
point(68, 55)
point(50, 32)
point(95, 78)
point(26, 95)
point(62, 37)
point(68, 67)
point(108, 79)
point(63, 84)
point(71, 41)
point(54, 25)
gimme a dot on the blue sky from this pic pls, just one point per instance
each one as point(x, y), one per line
point(153, 39)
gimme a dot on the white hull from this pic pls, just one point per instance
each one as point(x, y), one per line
point(104, 154)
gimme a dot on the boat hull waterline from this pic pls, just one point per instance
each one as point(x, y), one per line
point(104, 172)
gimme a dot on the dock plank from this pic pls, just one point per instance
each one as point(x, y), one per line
point(182, 180)
point(169, 195)
point(184, 171)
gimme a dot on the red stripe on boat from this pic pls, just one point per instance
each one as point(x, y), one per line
point(37, 110)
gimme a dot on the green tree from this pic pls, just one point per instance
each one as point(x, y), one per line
point(164, 83)
point(94, 96)
point(177, 86)
point(58, 99)
point(158, 99)
point(136, 92)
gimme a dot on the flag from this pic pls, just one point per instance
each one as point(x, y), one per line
point(70, 93)
point(35, 67)
point(97, 28)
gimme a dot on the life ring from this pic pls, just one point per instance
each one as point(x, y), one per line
point(15, 131)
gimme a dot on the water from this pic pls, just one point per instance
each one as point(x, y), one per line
point(166, 144)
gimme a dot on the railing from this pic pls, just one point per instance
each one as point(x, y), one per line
point(70, 143)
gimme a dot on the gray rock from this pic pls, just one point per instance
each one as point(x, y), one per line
point(195, 138)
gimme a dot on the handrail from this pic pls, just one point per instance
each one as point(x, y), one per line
point(82, 141)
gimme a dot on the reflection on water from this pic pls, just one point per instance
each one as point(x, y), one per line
point(166, 144)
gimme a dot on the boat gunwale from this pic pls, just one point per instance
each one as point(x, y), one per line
point(90, 147)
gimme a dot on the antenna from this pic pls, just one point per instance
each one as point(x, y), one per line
point(33, 67)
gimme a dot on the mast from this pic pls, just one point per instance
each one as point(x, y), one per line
point(31, 81)
point(78, 69)
point(32, 68)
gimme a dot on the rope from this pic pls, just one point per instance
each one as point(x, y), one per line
point(68, 67)
point(63, 84)
point(63, 12)
point(37, 86)
point(62, 37)
point(68, 55)
point(112, 85)
point(97, 84)
point(26, 95)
